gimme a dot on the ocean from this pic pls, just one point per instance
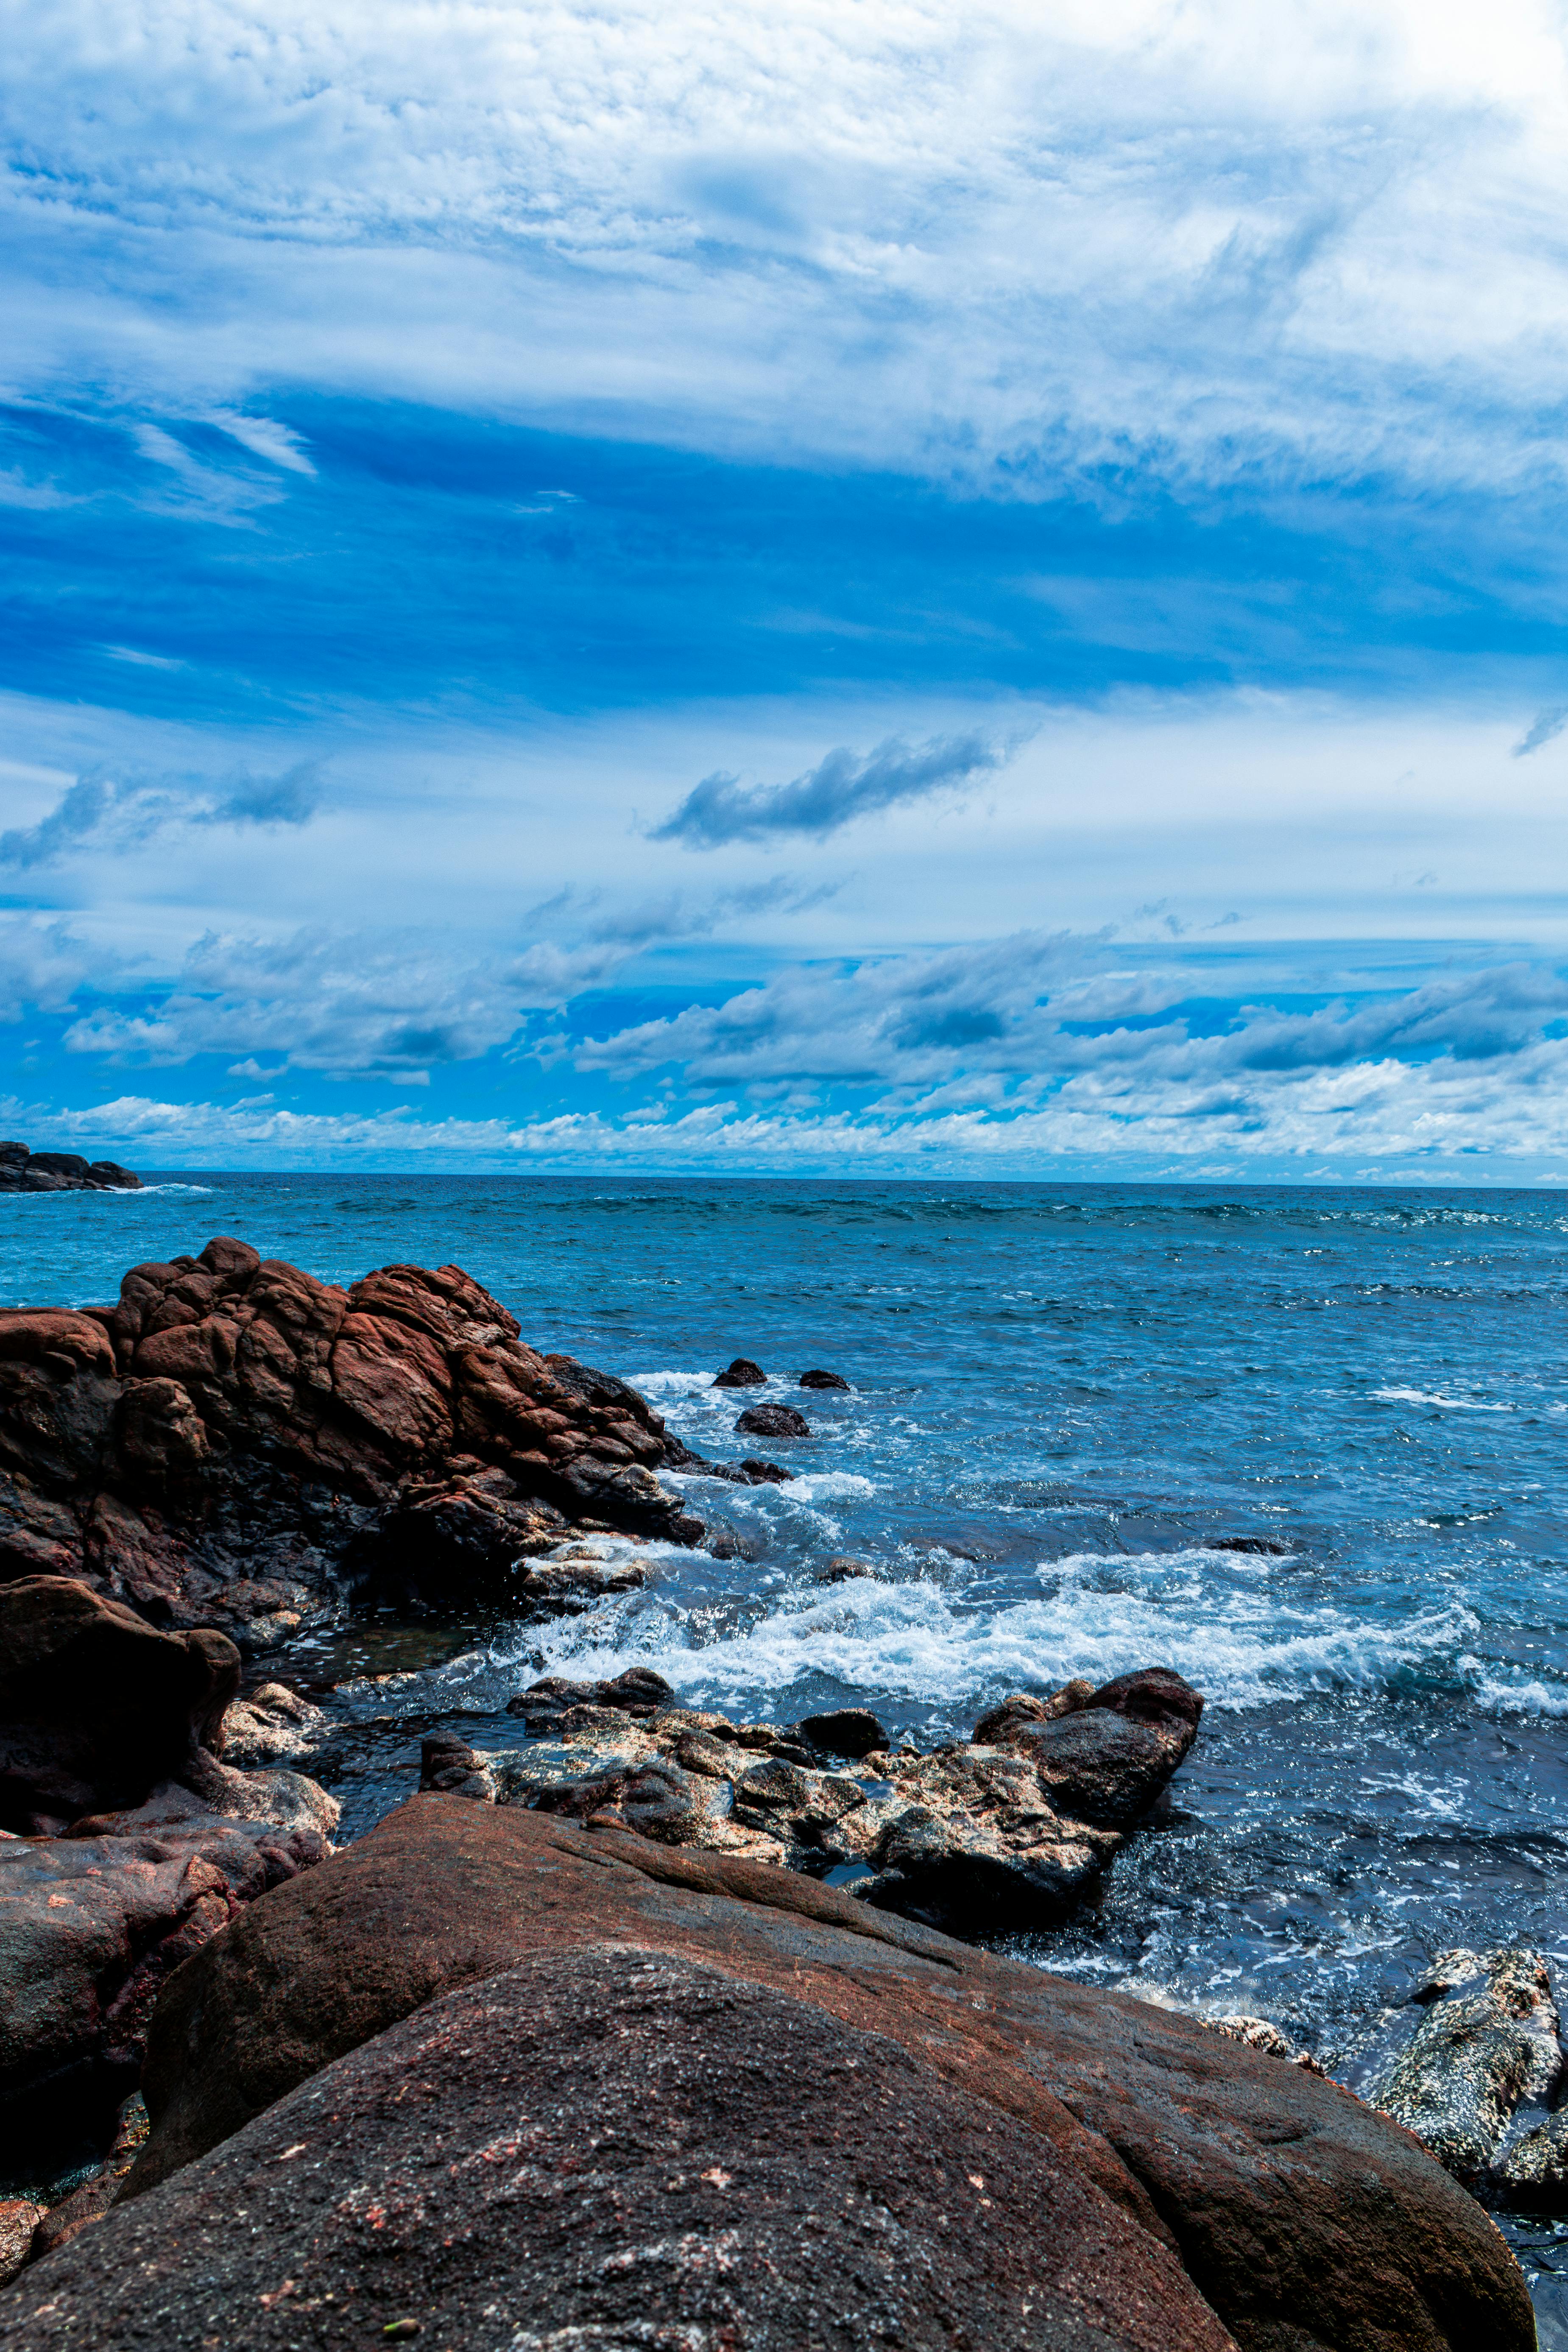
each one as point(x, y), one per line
point(1069, 1403)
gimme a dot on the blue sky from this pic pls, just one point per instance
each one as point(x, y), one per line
point(867, 589)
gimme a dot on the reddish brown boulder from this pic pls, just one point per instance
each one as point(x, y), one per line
point(611, 2147)
point(90, 1928)
point(235, 1443)
point(96, 1706)
point(1306, 2222)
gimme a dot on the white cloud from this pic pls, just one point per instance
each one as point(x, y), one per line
point(1318, 236)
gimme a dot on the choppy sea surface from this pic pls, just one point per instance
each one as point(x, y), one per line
point(1067, 1402)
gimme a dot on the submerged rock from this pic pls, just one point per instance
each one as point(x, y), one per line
point(237, 1444)
point(396, 2066)
point(821, 1379)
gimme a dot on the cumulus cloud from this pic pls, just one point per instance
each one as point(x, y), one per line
point(842, 786)
point(395, 1005)
point(117, 809)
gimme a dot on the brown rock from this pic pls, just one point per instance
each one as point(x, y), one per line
point(234, 1434)
point(763, 2174)
point(19, 2217)
point(89, 1929)
point(740, 1374)
point(97, 1707)
point(1302, 2218)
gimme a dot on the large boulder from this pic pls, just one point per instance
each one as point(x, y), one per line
point(90, 1928)
point(237, 1444)
point(98, 1707)
point(1305, 2222)
point(613, 2147)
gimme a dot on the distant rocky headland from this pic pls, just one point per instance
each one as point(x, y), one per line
point(21, 1170)
point(648, 2028)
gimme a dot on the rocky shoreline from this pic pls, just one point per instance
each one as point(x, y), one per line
point(21, 1170)
point(714, 1961)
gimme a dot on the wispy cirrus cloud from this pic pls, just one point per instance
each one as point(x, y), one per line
point(843, 785)
point(1545, 728)
point(109, 810)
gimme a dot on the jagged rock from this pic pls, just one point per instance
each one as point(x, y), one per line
point(1017, 1712)
point(820, 1379)
point(89, 1929)
point(1262, 2034)
point(21, 1170)
point(972, 1836)
point(772, 1420)
point(448, 1763)
point(547, 1705)
point(237, 1444)
point(97, 1707)
point(1485, 2059)
point(289, 1800)
point(1218, 2177)
point(273, 1726)
point(742, 1374)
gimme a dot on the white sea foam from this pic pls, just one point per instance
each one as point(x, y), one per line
point(1499, 1695)
point(920, 1642)
point(1435, 1396)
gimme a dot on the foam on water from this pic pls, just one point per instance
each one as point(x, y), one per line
point(953, 1654)
point(1434, 1396)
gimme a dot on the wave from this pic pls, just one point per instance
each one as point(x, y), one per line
point(918, 1642)
point(1435, 1396)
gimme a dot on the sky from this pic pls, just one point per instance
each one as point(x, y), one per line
point(843, 587)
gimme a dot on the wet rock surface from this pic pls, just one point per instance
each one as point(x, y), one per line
point(772, 1420)
point(740, 1374)
point(1474, 2065)
point(1143, 2174)
point(972, 1836)
point(21, 1170)
point(237, 1443)
point(817, 1378)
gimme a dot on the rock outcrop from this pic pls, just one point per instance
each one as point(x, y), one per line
point(235, 1443)
point(21, 1170)
point(495, 2073)
point(1474, 2065)
point(975, 1835)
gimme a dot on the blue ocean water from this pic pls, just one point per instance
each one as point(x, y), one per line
point(1066, 1401)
